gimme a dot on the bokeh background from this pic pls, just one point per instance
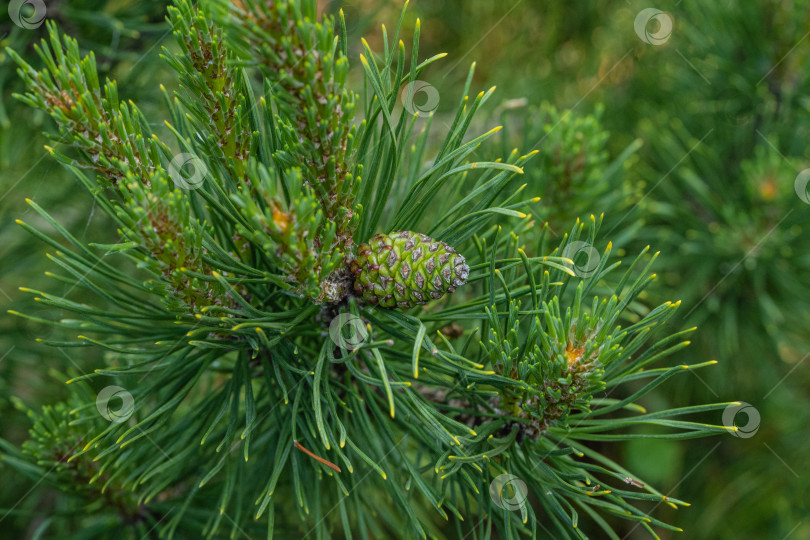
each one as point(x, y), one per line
point(689, 139)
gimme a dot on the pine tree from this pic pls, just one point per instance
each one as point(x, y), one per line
point(279, 370)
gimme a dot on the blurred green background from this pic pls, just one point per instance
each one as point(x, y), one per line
point(689, 139)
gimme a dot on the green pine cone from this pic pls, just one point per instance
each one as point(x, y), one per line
point(404, 269)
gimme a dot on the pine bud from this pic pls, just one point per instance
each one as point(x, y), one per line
point(404, 269)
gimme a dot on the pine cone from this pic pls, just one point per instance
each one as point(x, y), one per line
point(404, 269)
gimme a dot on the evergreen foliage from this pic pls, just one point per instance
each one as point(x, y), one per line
point(223, 308)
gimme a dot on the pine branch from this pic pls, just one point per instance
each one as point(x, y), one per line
point(110, 136)
point(214, 89)
point(300, 60)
